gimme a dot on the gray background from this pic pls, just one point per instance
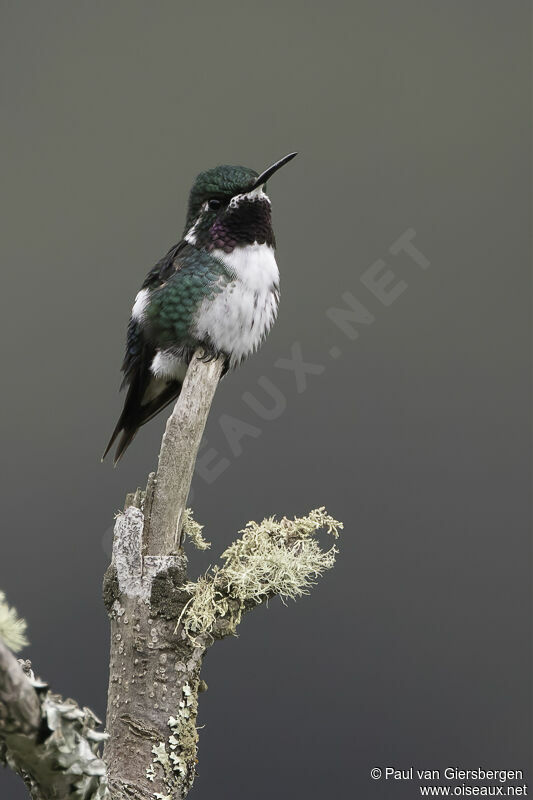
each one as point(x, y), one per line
point(415, 649)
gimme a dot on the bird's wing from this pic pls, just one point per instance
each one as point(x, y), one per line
point(165, 266)
point(174, 301)
point(136, 366)
point(177, 285)
point(135, 344)
point(138, 345)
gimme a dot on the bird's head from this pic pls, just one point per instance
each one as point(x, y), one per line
point(228, 207)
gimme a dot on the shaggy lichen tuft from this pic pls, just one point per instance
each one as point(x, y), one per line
point(193, 530)
point(12, 627)
point(275, 557)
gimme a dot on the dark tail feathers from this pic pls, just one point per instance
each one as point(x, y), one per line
point(135, 414)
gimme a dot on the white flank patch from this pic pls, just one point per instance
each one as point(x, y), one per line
point(139, 306)
point(238, 319)
point(167, 365)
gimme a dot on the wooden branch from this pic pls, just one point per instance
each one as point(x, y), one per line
point(154, 675)
point(51, 743)
point(177, 456)
point(20, 709)
point(161, 626)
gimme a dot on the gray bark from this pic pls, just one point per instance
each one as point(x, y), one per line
point(177, 457)
point(161, 627)
point(50, 742)
point(155, 669)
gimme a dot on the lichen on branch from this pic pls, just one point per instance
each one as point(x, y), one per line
point(193, 531)
point(12, 627)
point(274, 557)
point(51, 743)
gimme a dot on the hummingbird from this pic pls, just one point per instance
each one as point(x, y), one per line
point(217, 288)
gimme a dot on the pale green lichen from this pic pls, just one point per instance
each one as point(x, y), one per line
point(275, 557)
point(160, 757)
point(74, 746)
point(12, 627)
point(70, 748)
point(179, 760)
point(183, 739)
point(193, 530)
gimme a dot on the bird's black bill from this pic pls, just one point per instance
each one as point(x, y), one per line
point(262, 179)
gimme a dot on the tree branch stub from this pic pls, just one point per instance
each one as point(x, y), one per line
point(155, 669)
point(20, 709)
point(161, 626)
point(167, 496)
point(50, 742)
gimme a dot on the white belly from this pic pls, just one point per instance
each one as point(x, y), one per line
point(238, 319)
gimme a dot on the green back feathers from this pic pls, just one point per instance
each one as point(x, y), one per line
point(173, 305)
point(220, 182)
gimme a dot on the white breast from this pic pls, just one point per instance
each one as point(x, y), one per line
point(238, 319)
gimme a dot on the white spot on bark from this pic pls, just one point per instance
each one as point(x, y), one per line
point(135, 574)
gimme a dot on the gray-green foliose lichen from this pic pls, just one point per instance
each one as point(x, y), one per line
point(177, 756)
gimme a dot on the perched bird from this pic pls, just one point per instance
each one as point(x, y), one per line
point(218, 288)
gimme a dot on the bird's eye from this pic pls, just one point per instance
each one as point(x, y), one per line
point(214, 204)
